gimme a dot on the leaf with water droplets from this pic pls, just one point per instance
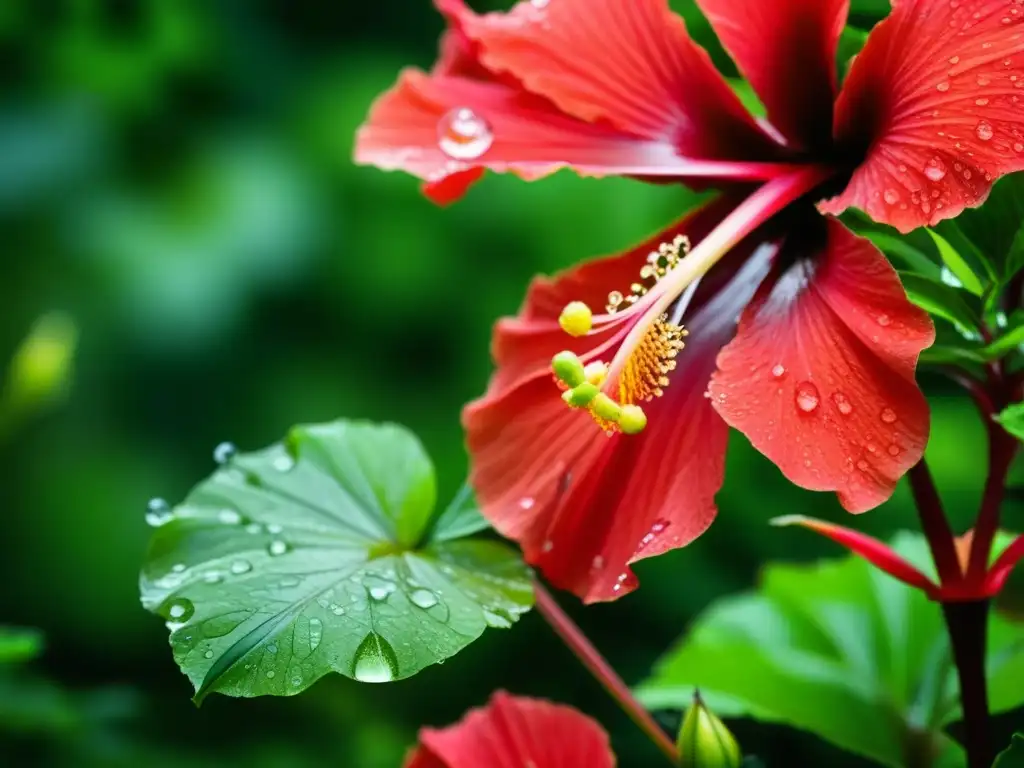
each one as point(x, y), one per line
point(328, 561)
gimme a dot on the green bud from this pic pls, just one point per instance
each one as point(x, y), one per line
point(569, 368)
point(580, 396)
point(704, 741)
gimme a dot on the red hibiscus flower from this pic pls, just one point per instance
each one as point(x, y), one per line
point(512, 732)
point(802, 329)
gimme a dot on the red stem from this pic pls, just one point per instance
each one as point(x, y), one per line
point(591, 658)
point(934, 523)
point(1002, 448)
point(967, 624)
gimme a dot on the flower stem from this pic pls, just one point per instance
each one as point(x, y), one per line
point(1002, 448)
point(591, 658)
point(967, 623)
point(934, 523)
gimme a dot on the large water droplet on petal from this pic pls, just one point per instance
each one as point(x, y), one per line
point(888, 416)
point(463, 135)
point(984, 130)
point(843, 404)
point(807, 397)
point(779, 371)
point(935, 170)
point(891, 196)
point(375, 660)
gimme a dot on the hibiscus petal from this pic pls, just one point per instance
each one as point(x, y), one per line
point(1000, 571)
point(871, 549)
point(512, 732)
point(516, 132)
point(820, 376)
point(787, 50)
point(936, 101)
point(581, 504)
point(630, 63)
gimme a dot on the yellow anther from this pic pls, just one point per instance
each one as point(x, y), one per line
point(632, 420)
point(568, 368)
point(581, 395)
point(603, 407)
point(596, 372)
point(576, 319)
point(644, 376)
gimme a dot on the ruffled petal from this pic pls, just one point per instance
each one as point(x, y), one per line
point(871, 549)
point(493, 125)
point(584, 505)
point(512, 732)
point(935, 105)
point(628, 63)
point(787, 51)
point(820, 376)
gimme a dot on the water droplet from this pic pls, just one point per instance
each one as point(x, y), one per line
point(935, 170)
point(883, 320)
point(224, 453)
point(158, 512)
point(540, 4)
point(178, 568)
point(888, 416)
point(862, 465)
point(984, 80)
point(284, 463)
point(984, 130)
point(316, 634)
point(891, 196)
point(213, 577)
point(1018, 147)
point(842, 403)
point(254, 528)
point(423, 598)
point(598, 563)
point(271, 648)
point(181, 610)
point(241, 566)
point(375, 661)
point(981, 102)
point(463, 135)
point(208, 655)
point(380, 593)
point(548, 545)
point(779, 371)
point(277, 548)
point(271, 674)
point(275, 529)
point(894, 450)
point(229, 517)
point(526, 502)
point(943, 86)
point(296, 681)
point(807, 397)
point(337, 610)
point(954, 59)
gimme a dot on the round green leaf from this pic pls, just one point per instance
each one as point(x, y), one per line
point(314, 556)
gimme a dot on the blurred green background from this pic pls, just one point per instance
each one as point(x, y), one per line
point(175, 177)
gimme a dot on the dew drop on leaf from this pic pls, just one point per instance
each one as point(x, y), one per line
point(224, 453)
point(375, 660)
point(423, 598)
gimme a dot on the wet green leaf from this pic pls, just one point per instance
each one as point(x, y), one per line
point(311, 556)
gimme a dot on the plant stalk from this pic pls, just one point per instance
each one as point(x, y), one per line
point(934, 523)
point(596, 664)
point(967, 624)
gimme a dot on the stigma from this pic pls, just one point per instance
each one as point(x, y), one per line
point(644, 374)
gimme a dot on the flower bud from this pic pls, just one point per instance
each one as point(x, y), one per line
point(568, 368)
point(633, 419)
point(576, 319)
point(704, 741)
point(581, 395)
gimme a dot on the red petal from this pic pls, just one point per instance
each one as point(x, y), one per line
point(787, 50)
point(871, 549)
point(584, 505)
point(936, 98)
point(530, 137)
point(629, 63)
point(512, 732)
point(820, 376)
point(1000, 571)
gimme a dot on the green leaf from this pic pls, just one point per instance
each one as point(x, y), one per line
point(995, 226)
point(1012, 756)
point(1012, 420)
point(1010, 341)
point(747, 96)
point(900, 248)
point(939, 299)
point(957, 265)
point(19, 645)
point(839, 649)
point(461, 518)
point(313, 556)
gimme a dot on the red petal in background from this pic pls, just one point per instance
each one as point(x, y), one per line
point(1000, 571)
point(629, 63)
point(820, 376)
point(936, 100)
point(787, 50)
point(513, 732)
point(871, 549)
point(584, 505)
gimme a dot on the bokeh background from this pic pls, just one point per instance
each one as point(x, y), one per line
point(176, 183)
